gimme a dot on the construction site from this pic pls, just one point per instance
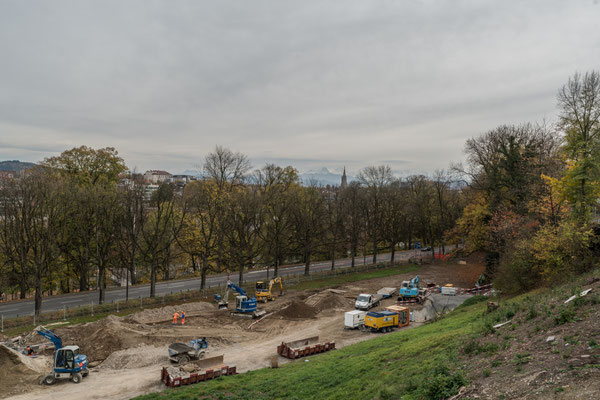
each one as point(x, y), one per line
point(133, 355)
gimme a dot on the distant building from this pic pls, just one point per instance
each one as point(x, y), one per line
point(344, 179)
point(182, 179)
point(157, 176)
point(148, 190)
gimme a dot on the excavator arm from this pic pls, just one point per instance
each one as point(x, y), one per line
point(235, 287)
point(51, 336)
point(273, 282)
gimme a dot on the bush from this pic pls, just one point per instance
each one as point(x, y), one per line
point(443, 384)
point(564, 315)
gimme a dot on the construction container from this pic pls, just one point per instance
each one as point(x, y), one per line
point(449, 290)
point(404, 316)
point(303, 347)
point(387, 292)
point(382, 321)
point(194, 372)
point(354, 319)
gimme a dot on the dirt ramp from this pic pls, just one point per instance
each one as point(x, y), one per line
point(15, 376)
point(297, 309)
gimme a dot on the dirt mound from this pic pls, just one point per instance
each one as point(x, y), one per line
point(97, 340)
point(162, 314)
point(137, 357)
point(333, 302)
point(297, 309)
point(15, 376)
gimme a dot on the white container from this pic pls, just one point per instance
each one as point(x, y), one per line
point(449, 290)
point(354, 319)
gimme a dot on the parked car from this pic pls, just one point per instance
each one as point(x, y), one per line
point(426, 248)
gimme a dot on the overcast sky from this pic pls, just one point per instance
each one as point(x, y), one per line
point(307, 83)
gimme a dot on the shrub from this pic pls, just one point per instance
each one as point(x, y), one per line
point(443, 384)
point(564, 315)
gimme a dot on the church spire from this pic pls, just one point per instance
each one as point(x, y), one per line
point(344, 179)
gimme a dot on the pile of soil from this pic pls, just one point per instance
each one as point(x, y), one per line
point(137, 357)
point(297, 309)
point(162, 314)
point(97, 340)
point(334, 302)
point(328, 300)
point(15, 376)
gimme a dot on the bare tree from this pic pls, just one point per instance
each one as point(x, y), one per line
point(308, 215)
point(243, 226)
point(228, 170)
point(375, 179)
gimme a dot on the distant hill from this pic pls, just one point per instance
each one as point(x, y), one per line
point(15, 165)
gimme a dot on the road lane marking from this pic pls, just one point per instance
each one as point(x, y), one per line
point(10, 309)
point(71, 301)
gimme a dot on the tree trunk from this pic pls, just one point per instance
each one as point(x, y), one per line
point(219, 251)
point(101, 272)
point(193, 259)
point(241, 274)
point(333, 256)
point(393, 253)
point(307, 263)
point(83, 283)
point(38, 294)
point(353, 252)
point(22, 290)
point(203, 271)
point(153, 279)
point(374, 250)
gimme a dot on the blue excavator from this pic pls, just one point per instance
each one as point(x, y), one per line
point(67, 363)
point(244, 306)
point(410, 290)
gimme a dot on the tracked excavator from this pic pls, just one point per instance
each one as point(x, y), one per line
point(265, 293)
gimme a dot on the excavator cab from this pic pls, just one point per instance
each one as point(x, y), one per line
point(262, 291)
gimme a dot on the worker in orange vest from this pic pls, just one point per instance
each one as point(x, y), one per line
point(182, 318)
point(175, 318)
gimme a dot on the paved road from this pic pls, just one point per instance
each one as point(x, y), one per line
point(54, 303)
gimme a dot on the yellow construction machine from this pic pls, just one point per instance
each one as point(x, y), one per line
point(264, 293)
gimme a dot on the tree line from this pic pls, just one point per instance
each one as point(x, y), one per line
point(80, 220)
point(535, 190)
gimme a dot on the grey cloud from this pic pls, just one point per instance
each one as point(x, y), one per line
point(313, 83)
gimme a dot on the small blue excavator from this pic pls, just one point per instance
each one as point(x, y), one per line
point(410, 290)
point(68, 363)
point(244, 306)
